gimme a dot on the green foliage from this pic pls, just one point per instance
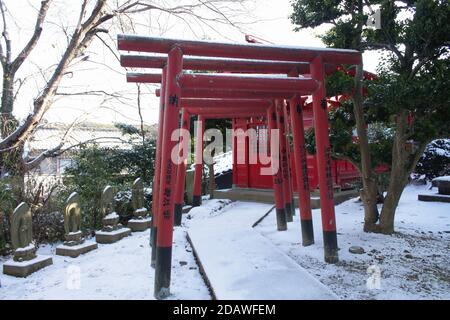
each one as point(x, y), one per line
point(345, 146)
point(425, 96)
point(7, 204)
point(414, 75)
point(94, 168)
point(90, 172)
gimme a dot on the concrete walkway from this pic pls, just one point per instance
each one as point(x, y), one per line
point(241, 264)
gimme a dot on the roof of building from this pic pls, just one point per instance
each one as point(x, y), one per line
point(107, 136)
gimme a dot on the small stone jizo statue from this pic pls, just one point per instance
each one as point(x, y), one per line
point(110, 217)
point(22, 233)
point(138, 200)
point(72, 221)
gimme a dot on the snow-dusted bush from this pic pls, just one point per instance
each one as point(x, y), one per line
point(435, 161)
point(48, 227)
point(124, 206)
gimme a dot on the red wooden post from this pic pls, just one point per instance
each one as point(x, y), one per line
point(181, 172)
point(323, 151)
point(167, 185)
point(197, 193)
point(290, 190)
point(277, 174)
point(301, 170)
point(157, 176)
point(284, 160)
point(233, 148)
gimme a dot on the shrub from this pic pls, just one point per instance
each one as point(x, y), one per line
point(435, 161)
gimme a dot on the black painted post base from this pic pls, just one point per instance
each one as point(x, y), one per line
point(289, 216)
point(281, 219)
point(153, 235)
point(307, 233)
point(150, 239)
point(330, 247)
point(162, 272)
point(293, 207)
point(178, 215)
point(197, 201)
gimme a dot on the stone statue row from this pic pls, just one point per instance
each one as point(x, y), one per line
point(25, 261)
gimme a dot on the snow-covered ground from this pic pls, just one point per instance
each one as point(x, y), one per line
point(114, 271)
point(249, 266)
point(414, 263)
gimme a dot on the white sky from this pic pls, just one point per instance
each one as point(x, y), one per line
point(102, 71)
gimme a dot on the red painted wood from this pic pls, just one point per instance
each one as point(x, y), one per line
point(168, 168)
point(240, 51)
point(181, 171)
point(247, 83)
point(197, 192)
point(222, 65)
point(323, 149)
point(224, 104)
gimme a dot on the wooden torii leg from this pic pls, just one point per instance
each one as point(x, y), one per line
point(157, 177)
point(288, 156)
point(277, 173)
point(323, 151)
point(197, 193)
point(164, 238)
point(284, 160)
point(181, 172)
point(301, 170)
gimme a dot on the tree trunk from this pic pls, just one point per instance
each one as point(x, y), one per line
point(7, 120)
point(369, 194)
point(404, 161)
point(11, 163)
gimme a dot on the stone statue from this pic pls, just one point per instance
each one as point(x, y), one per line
point(22, 233)
point(72, 221)
point(138, 199)
point(75, 244)
point(107, 201)
point(112, 230)
point(24, 261)
point(110, 217)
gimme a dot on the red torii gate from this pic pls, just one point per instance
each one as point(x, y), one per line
point(176, 85)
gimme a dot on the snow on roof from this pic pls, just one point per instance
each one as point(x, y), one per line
point(223, 163)
point(443, 179)
point(106, 136)
point(238, 44)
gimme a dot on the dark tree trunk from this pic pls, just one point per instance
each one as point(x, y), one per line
point(404, 159)
point(369, 194)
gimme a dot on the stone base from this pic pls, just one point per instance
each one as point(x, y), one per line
point(104, 237)
point(138, 225)
point(434, 198)
point(267, 196)
point(75, 251)
point(186, 209)
point(25, 268)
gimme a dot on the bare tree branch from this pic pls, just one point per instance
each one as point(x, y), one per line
point(15, 65)
point(5, 34)
point(87, 28)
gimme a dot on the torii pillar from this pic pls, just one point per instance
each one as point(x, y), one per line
point(323, 151)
